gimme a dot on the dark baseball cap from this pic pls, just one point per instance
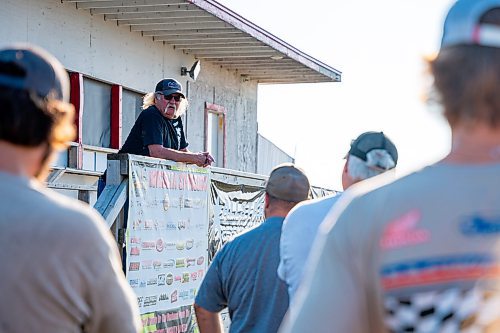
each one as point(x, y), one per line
point(169, 86)
point(289, 183)
point(30, 68)
point(462, 24)
point(369, 141)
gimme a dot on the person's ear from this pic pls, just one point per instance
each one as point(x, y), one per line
point(266, 201)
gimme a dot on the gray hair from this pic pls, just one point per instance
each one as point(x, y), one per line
point(377, 162)
point(149, 99)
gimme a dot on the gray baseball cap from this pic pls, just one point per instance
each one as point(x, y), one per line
point(289, 183)
point(462, 26)
point(30, 68)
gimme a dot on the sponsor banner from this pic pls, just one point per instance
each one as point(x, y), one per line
point(234, 209)
point(167, 238)
point(178, 320)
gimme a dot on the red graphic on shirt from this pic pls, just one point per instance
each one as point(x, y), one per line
point(403, 231)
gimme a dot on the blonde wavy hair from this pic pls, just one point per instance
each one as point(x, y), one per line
point(149, 99)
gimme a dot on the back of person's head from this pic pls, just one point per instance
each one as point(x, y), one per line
point(371, 154)
point(287, 185)
point(34, 93)
point(467, 69)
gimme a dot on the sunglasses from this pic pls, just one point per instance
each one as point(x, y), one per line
point(177, 98)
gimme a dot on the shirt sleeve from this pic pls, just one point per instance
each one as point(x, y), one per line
point(111, 300)
point(211, 294)
point(153, 130)
point(332, 298)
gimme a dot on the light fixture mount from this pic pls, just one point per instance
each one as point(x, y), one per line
point(193, 72)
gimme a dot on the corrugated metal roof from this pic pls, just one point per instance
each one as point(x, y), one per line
point(212, 32)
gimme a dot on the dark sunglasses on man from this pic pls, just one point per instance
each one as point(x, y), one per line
point(177, 97)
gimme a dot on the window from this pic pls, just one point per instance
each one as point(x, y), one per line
point(215, 133)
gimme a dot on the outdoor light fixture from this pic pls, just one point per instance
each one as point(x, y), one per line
point(193, 72)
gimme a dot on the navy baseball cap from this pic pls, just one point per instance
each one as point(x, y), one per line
point(369, 141)
point(169, 86)
point(462, 25)
point(30, 68)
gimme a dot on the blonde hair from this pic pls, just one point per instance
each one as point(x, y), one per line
point(149, 99)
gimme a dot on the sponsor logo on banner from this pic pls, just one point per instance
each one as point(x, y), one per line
point(169, 246)
point(201, 272)
point(137, 225)
point(142, 284)
point(404, 231)
point(140, 299)
point(134, 283)
point(157, 264)
point(135, 240)
point(152, 282)
point(180, 245)
point(160, 226)
point(190, 262)
point(189, 244)
point(159, 245)
point(147, 264)
point(171, 226)
point(184, 295)
point(150, 300)
point(183, 224)
point(169, 279)
point(185, 277)
point(194, 276)
point(169, 263)
point(149, 245)
point(163, 298)
point(135, 251)
point(134, 266)
point(149, 225)
point(178, 278)
point(200, 226)
point(161, 279)
point(200, 260)
point(480, 226)
point(180, 263)
point(173, 296)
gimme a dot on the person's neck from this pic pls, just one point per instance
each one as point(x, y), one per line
point(19, 160)
point(474, 144)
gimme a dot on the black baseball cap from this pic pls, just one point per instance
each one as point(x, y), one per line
point(169, 86)
point(289, 183)
point(30, 68)
point(369, 141)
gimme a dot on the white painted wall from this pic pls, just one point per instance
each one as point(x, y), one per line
point(101, 49)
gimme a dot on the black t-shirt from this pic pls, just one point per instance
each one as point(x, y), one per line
point(152, 128)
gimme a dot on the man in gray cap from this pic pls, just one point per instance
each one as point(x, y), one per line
point(158, 131)
point(61, 271)
point(371, 154)
point(421, 254)
point(242, 276)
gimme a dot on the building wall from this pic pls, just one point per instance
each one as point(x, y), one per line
point(269, 155)
point(111, 53)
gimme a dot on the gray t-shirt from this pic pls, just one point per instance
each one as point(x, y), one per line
point(420, 254)
point(61, 270)
point(243, 278)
